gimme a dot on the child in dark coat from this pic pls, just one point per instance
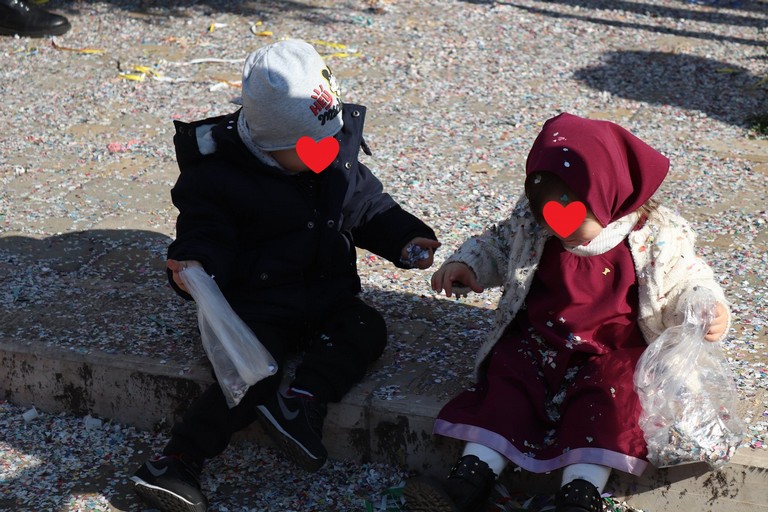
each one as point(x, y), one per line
point(280, 241)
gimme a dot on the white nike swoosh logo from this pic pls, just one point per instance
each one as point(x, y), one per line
point(289, 415)
point(156, 472)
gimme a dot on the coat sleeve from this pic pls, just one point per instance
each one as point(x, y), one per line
point(205, 228)
point(488, 254)
point(376, 221)
point(680, 271)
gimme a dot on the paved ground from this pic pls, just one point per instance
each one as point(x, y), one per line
point(457, 91)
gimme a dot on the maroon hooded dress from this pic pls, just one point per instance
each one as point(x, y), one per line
point(557, 387)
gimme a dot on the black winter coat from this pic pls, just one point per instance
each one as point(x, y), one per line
point(281, 245)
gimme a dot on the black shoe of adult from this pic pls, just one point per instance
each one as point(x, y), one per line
point(467, 489)
point(29, 20)
point(170, 484)
point(295, 424)
point(578, 496)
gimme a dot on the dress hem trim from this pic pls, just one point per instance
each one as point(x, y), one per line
point(610, 458)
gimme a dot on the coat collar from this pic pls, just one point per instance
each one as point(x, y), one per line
point(218, 137)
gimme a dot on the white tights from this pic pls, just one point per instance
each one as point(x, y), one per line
point(496, 461)
point(593, 473)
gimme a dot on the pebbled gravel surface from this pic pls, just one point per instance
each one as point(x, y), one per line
point(457, 90)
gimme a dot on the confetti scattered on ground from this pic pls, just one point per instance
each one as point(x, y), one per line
point(456, 90)
point(62, 462)
point(84, 464)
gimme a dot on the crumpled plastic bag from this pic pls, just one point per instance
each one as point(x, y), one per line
point(239, 359)
point(687, 393)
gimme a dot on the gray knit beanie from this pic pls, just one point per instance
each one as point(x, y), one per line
point(288, 93)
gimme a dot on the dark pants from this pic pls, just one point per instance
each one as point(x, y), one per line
point(338, 347)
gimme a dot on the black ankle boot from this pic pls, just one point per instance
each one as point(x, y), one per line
point(29, 20)
point(466, 489)
point(578, 496)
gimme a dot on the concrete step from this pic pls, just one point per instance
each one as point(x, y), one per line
point(367, 425)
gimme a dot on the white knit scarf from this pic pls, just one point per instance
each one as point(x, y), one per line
point(611, 236)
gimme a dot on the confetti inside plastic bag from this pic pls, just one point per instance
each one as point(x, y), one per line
point(238, 357)
point(688, 394)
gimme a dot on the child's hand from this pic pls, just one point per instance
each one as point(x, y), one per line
point(426, 244)
point(717, 327)
point(454, 272)
point(178, 266)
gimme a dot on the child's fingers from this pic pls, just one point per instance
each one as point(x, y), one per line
point(426, 243)
point(713, 334)
point(437, 279)
point(419, 252)
point(718, 325)
point(466, 277)
point(720, 318)
point(445, 279)
point(178, 266)
point(425, 263)
point(458, 275)
point(448, 287)
point(452, 275)
point(716, 330)
point(452, 278)
point(472, 282)
point(174, 265)
point(179, 282)
point(440, 282)
point(177, 278)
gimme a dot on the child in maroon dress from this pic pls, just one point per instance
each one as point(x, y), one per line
point(555, 378)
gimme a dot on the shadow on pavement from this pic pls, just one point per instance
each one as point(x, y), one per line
point(656, 11)
point(678, 9)
point(90, 291)
point(259, 10)
point(692, 83)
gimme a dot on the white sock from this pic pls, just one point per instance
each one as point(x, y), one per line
point(496, 461)
point(593, 473)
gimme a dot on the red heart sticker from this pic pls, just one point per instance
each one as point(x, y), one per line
point(317, 155)
point(564, 220)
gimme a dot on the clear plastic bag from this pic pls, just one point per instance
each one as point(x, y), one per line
point(238, 357)
point(687, 393)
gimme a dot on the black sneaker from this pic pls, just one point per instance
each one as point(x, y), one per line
point(295, 424)
point(170, 484)
point(467, 488)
